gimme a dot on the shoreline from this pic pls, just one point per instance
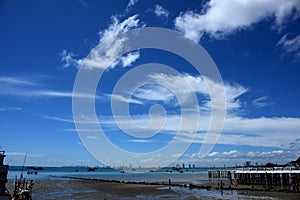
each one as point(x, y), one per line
point(210, 185)
point(91, 188)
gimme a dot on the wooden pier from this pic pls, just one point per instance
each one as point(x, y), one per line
point(220, 174)
point(279, 179)
point(269, 178)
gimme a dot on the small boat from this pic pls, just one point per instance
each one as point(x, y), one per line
point(121, 170)
point(92, 169)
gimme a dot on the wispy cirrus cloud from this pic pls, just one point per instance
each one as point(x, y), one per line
point(251, 131)
point(153, 93)
point(291, 46)
point(140, 141)
point(217, 19)
point(261, 102)
point(107, 53)
point(30, 88)
point(11, 109)
point(237, 130)
point(22, 154)
point(11, 80)
point(35, 159)
point(123, 99)
point(130, 4)
point(167, 84)
point(61, 119)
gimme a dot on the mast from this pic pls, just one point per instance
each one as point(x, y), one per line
point(21, 177)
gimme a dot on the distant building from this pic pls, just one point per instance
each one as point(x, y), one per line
point(183, 166)
point(248, 164)
point(270, 164)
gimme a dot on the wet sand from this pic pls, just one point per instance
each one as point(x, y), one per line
point(90, 189)
point(95, 189)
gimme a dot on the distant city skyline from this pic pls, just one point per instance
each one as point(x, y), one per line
point(254, 44)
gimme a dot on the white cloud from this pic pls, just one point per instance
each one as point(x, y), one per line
point(36, 159)
point(233, 157)
point(154, 93)
point(17, 158)
point(80, 130)
point(69, 120)
point(261, 102)
point(294, 145)
point(160, 11)
point(130, 58)
point(22, 154)
point(23, 87)
point(131, 3)
point(232, 153)
point(267, 132)
point(291, 45)
point(261, 131)
point(194, 84)
point(237, 130)
point(44, 93)
point(11, 109)
point(107, 53)
point(212, 154)
point(68, 58)
point(265, 154)
point(91, 137)
point(5, 80)
point(123, 99)
point(140, 141)
point(220, 18)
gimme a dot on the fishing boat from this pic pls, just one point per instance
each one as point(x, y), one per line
point(23, 187)
point(4, 193)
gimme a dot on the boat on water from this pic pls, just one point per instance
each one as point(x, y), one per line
point(92, 169)
point(23, 187)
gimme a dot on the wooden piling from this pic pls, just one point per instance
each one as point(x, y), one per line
point(287, 179)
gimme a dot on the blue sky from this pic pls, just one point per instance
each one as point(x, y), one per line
point(254, 44)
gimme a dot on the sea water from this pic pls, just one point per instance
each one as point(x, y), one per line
point(195, 176)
